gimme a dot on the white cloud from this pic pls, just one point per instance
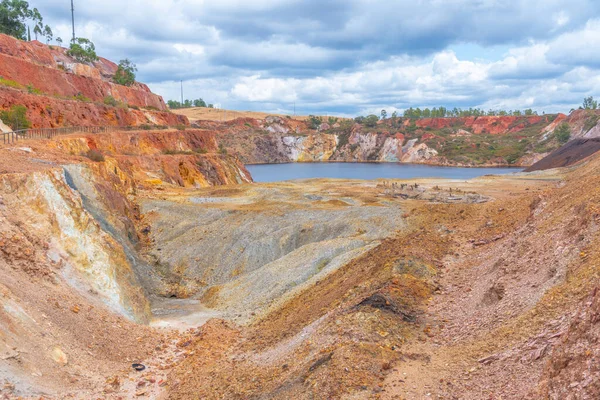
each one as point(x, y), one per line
point(350, 56)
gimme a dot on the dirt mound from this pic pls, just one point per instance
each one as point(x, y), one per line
point(571, 153)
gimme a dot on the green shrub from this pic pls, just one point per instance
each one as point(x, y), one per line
point(222, 149)
point(9, 83)
point(125, 74)
point(83, 50)
point(343, 139)
point(33, 90)
point(314, 122)
point(111, 101)
point(180, 127)
point(563, 133)
point(16, 117)
point(81, 97)
point(591, 122)
point(371, 121)
point(172, 152)
point(201, 150)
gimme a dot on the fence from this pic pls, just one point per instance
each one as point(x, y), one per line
point(48, 133)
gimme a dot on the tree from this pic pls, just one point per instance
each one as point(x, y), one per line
point(563, 133)
point(14, 15)
point(590, 104)
point(59, 41)
point(371, 120)
point(48, 34)
point(37, 31)
point(173, 104)
point(125, 74)
point(383, 114)
point(83, 50)
point(199, 103)
point(16, 118)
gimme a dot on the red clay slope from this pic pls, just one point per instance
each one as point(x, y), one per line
point(51, 112)
point(49, 70)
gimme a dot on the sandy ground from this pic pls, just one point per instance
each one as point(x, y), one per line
point(213, 114)
point(461, 290)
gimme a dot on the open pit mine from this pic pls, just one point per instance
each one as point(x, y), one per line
point(143, 262)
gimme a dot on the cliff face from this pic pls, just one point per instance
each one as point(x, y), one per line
point(51, 71)
point(468, 141)
point(58, 91)
point(154, 158)
point(482, 141)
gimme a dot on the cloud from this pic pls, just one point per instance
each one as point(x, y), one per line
point(349, 56)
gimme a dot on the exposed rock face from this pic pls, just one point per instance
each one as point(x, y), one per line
point(494, 125)
point(150, 158)
point(51, 112)
point(571, 153)
point(584, 124)
point(243, 252)
point(573, 371)
point(473, 141)
point(54, 73)
point(52, 212)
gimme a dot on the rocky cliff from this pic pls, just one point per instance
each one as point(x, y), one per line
point(48, 69)
point(470, 141)
point(52, 112)
point(58, 91)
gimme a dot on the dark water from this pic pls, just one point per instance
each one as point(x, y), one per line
point(285, 172)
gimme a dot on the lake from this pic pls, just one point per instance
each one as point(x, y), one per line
point(285, 172)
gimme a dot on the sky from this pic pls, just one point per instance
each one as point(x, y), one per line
point(350, 57)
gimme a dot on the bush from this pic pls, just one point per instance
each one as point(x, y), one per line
point(81, 97)
point(222, 149)
point(125, 74)
point(16, 118)
point(563, 133)
point(95, 155)
point(371, 121)
point(33, 90)
point(9, 83)
point(180, 127)
point(314, 122)
point(83, 51)
point(111, 101)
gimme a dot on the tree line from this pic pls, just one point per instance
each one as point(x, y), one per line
point(443, 112)
point(174, 104)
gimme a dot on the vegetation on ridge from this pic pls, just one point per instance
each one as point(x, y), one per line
point(125, 74)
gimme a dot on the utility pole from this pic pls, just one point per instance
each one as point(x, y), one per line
point(73, 20)
point(182, 92)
